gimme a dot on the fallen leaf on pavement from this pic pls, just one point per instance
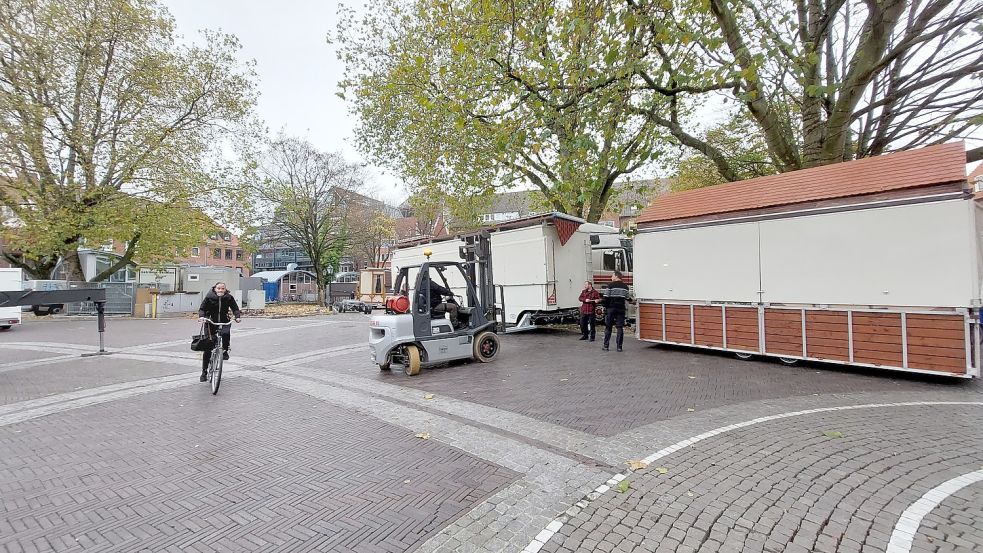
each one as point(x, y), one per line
point(833, 434)
point(661, 470)
point(428, 396)
point(423, 435)
point(623, 486)
point(564, 379)
point(637, 465)
point(690, 409)
point(692, 377)
point(689, 494)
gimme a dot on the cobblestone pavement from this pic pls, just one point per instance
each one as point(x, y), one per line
point(309, 446)
point(604, 393)
point(955, 525)
point(834, 481)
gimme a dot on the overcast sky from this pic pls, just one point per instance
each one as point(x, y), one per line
point(298, 71)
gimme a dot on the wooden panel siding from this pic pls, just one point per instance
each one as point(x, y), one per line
point(783, 331)
point(877, 339)
point(828, 335)
point(650, 321)
point(678, 324)
point(937, 342)
point(709, 326)
point(742, 328)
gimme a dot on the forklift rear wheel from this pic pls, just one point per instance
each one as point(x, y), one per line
point(486, 346)
point(412, 367)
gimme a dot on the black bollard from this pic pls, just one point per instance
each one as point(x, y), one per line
point(101, 318)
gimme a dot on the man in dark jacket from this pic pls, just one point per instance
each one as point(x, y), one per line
point(588, 304)
point(215, 307)
point(437, 304)
point(615, 298)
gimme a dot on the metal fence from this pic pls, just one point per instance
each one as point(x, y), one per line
point(119, 298)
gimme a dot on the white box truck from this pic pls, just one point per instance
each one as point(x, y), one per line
point(11, 280)
point(539, 264)
point(874, 262)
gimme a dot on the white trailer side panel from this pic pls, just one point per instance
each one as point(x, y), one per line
point(520, 266)
point(912, 255)
point(442, 251)
point(570, 267)
point(716, 263)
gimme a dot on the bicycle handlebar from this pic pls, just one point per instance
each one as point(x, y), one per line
point(209, 321)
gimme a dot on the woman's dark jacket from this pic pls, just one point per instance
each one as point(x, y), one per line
point(216, 308)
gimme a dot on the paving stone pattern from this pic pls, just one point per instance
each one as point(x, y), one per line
point(254, 468)
point(784, 486)
point(554, 377)
point(82, 372)
point(955, 525)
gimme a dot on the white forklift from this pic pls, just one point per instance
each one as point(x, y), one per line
point(416, 330)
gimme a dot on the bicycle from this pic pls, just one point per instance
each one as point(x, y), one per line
point(215, 363)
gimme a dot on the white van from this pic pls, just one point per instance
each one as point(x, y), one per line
point(10, 280)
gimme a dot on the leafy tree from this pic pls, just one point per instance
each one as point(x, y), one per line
point(109, 129)
point(743, 149)
point(310, 198)
point(466, 96)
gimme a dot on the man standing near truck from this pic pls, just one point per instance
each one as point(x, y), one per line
point(588, 304)
point(616, 296)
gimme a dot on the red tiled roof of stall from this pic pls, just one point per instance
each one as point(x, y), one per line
point(933, 165)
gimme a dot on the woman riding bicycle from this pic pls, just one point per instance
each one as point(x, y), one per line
point(215, 307)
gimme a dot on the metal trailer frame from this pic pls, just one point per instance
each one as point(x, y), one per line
point(17, 298)
point(973, 331)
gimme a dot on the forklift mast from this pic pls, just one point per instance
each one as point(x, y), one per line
point(476, 252)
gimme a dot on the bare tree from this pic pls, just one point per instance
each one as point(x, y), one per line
point(823, 80)
point(308, 194)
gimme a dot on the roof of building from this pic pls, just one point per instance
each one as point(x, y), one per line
point(977, 173)
point(271, 276)
point(933, 165)
point(515, 201)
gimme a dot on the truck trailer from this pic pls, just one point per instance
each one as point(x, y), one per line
point(539, 264)
point(11, 280)
point(874, 262)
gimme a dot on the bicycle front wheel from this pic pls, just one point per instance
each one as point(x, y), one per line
point(217, 373)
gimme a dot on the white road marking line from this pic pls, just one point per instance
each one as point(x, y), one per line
point(911, 518)
point(537, 543)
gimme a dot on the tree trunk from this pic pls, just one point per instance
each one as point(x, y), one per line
point(72, 265)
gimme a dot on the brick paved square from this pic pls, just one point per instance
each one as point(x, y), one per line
point(551, 376)
point(255, 467)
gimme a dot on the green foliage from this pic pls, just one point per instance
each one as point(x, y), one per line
point(110, 129)
point(743, 148)
point(467, 97)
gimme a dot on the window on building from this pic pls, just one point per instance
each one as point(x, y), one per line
point(228, 254)
point(238, 255)
point(195, 252)
point(217, 253)
point(499, 216)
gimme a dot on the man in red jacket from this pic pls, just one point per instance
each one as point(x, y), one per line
point(588, 303)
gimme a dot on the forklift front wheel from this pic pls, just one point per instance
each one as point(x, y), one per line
point(486, 346)
point(412, 366)
point(386, 366)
